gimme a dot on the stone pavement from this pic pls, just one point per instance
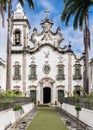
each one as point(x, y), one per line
point(22, 124)
point(71, 122)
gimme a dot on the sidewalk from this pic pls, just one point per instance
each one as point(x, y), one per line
point(22, 124)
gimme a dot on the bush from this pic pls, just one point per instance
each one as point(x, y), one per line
point(78, 108)
point(16, 108)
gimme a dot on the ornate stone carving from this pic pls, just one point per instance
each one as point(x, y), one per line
point(33, 59)
point(46, 54)
point(46, 36)
point(60, 59)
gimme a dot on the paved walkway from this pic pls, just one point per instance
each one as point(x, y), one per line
point(71, 121)
point(68, 121)
point(47, 119)
point(24, 123)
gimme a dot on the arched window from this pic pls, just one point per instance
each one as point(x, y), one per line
point(32, 74)
point(17, 75)
point(17, 37)
point(77, 72)
point(60, 75)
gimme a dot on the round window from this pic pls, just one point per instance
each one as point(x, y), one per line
point(46, 69)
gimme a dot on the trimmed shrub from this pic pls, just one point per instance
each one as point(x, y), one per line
point(78, 108)
point(16, 108)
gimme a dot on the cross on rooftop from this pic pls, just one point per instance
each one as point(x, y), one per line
point(47, 12)
point(33, 58)
point(60, 58)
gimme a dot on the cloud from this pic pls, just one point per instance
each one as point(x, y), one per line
point(76, 39)
point(3, 39)
point(46, 4)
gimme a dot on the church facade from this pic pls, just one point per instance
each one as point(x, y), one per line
point(46, 72)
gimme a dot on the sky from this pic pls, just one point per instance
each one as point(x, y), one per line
point(35, 16)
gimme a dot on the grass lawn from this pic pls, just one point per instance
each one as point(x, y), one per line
point(47, 119)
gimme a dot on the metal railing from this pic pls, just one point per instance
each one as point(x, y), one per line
point(83, 102)
point(10, 102)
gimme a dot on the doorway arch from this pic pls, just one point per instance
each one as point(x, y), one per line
point(46, 95)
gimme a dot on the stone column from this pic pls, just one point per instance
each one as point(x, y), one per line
point(24, 60)
point(24, 73)
point(24, 36)
point(41, 93)
point(69, 73)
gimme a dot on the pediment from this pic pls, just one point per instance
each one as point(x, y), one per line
point(46, 36)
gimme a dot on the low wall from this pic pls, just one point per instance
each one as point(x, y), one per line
point(7, 117)
point(85, 115)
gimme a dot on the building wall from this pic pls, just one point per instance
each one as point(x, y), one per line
point(2, 75)
point(46, 51)
point(85, 115)
point(91, 76)
point(8, 117)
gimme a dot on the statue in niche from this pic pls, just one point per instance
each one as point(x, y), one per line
point(59, 36)
point(46, 54)
point(46, 37)
point(33, 37)
point(17, 38)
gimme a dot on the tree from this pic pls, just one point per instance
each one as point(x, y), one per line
point(80, 10)
point(3, 4)
point(77, 108)
point(8, 77)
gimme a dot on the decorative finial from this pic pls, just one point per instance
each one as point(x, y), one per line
point(69, 46)
point(47, 12)
point(60, 59)
point(46, 54)
point(19, 7)
point(33, 59)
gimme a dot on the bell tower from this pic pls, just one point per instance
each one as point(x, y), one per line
point(20, 41)
point(21, 27)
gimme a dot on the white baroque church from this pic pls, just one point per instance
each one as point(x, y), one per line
point(47, 71)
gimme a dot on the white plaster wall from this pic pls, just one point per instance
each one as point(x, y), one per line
point(16, 58)
point(40, 60)
point(91, 76)
point(3, 76)
point(7, 117)
point(86, 115)
point(76, 82)
point(53, 61)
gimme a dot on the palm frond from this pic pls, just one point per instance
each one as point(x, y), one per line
point(76, 18)
point(21, 2)
point(81, 20)
point(3, 5)
point(30, 2)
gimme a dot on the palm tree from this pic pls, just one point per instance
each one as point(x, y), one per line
point(8, 77)
point(80, 10)
point(3, 4)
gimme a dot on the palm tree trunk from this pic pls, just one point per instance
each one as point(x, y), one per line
point(8, 78)
point(86, 57)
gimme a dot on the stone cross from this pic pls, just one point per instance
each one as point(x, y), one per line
point(60, 59)
point(33, 58)
point(47, 12)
